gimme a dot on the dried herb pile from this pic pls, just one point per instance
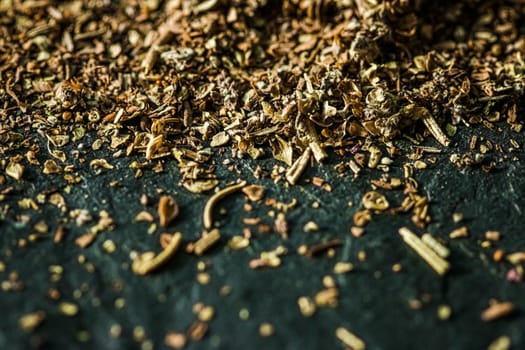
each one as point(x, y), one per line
point(154, 75)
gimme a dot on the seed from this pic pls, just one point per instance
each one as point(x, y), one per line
point(68, 308)
point(266, 329)
point(115, 330)
point(120, 303)
point(203, 278)
point(444, 312)
point(396, 267)
point(244, 314)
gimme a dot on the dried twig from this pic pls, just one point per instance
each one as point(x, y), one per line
point(142, 266)
point(440, 265)
point(298, 167)
point(207, 215)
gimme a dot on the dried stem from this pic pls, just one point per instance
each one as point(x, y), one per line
point(207, 240)
point(433, 127)
point(142, 266)
point(207, 216)
point(440, 265)
point(298, 167)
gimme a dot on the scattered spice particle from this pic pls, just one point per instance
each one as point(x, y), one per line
point(306, 306)
point(498, 255)
point(109, 246)
point(115, 330)
point(206, 313)
point(327, 297)
point(343, 267)
point(310, 226)
point(59, 234)
point(120, 303)
point(444, 312)
point(461, 232)
point(15, 170)
point(375, 201)
point(167, 209)
point(244, 314)
point(238, 242)
point(203, 278)
point(208, 209)
point(350, 339)
point(357, 231)
point(254, 193)
point(457, 217)
point(493, 235)
point(146, 263)
point(435, 245)
point(515, 274)
point(31, 321)
point(266, 329)
point(68, 308)
point(175, 340)
point(207, 240)
point(498, 310)
point(281, 225)
point(501, 343)
point(319, 248)
point(516, 258)
point(362, 217)
point(225, 290)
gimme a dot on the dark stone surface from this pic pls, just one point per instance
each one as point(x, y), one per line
point(373, 303)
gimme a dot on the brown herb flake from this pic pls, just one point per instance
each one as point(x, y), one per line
point(254, 192)
point(168, 210)
point(15, 170)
